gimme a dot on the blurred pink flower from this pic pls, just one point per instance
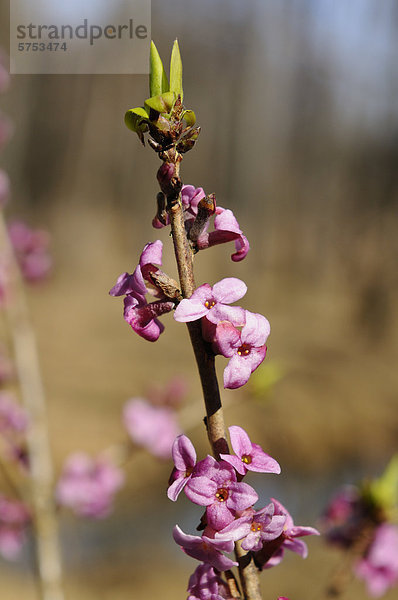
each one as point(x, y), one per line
point(88, 485)
point(13, 418)
point(151, 427)
point(31, 250)
point(379, 568)
point(14, 518)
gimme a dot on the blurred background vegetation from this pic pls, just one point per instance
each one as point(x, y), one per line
point(297, 100)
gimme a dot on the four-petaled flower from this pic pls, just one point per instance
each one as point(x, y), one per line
point(215, 486)
point(246, 348)
point(249, 457)
point(254, 527)
point(210, 302)
point(272, 552)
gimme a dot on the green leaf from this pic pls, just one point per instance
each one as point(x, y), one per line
point(189, 118)
point(136, 119)
point(176, 71)
point(157, 79)
point(162, 103)
point(385, 488)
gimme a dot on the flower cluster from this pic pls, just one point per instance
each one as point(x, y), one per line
point(362, 520)
point(233, 332)
point(230, 515)
point(226, 227)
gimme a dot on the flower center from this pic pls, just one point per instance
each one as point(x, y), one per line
point(210, 303)
point(255, 526)
point(244, 350)
point(188, 472)
point(246, 458)
point(222, 494)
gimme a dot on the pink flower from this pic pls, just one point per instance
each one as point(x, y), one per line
point(4, 188)
point(379, 568)
point(184, 457)
point(138, 313)
point(205, 584)
point(226, 229)
point(151, 427)
point(254, 528)
point(88, 485)
point(215, 486)
point(143, 317)
point(210, 302)
point(249, 457)
point(272, 551)
point(14, 518)
point(246, 348)
point(31, 250)
point(205, 549)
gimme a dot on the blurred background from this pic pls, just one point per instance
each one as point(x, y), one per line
point(297, 100)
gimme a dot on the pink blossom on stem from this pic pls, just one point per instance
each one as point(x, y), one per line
point(31, 250)
point(272, 552)
point(138, 313)
point(226, 230)
point(14, 518)
point(184, 457)
point(246, 349)
point(88, 485)
point(151, 427)
point(205, 549)
point(379, 568)
point(210, 302)
point(249, 456)
point(206, 584)
point(215, 486)
point(254, 528)
point(143, 317)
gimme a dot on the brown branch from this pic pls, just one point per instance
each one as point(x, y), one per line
point(206, 364)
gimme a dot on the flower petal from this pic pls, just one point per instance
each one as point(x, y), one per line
point(237, 372)
point(190, 310)
point(229, 289)
point(256, 330)
point(183, 453)
point(240, 441)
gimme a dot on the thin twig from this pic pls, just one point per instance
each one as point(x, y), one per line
point(41, 469)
